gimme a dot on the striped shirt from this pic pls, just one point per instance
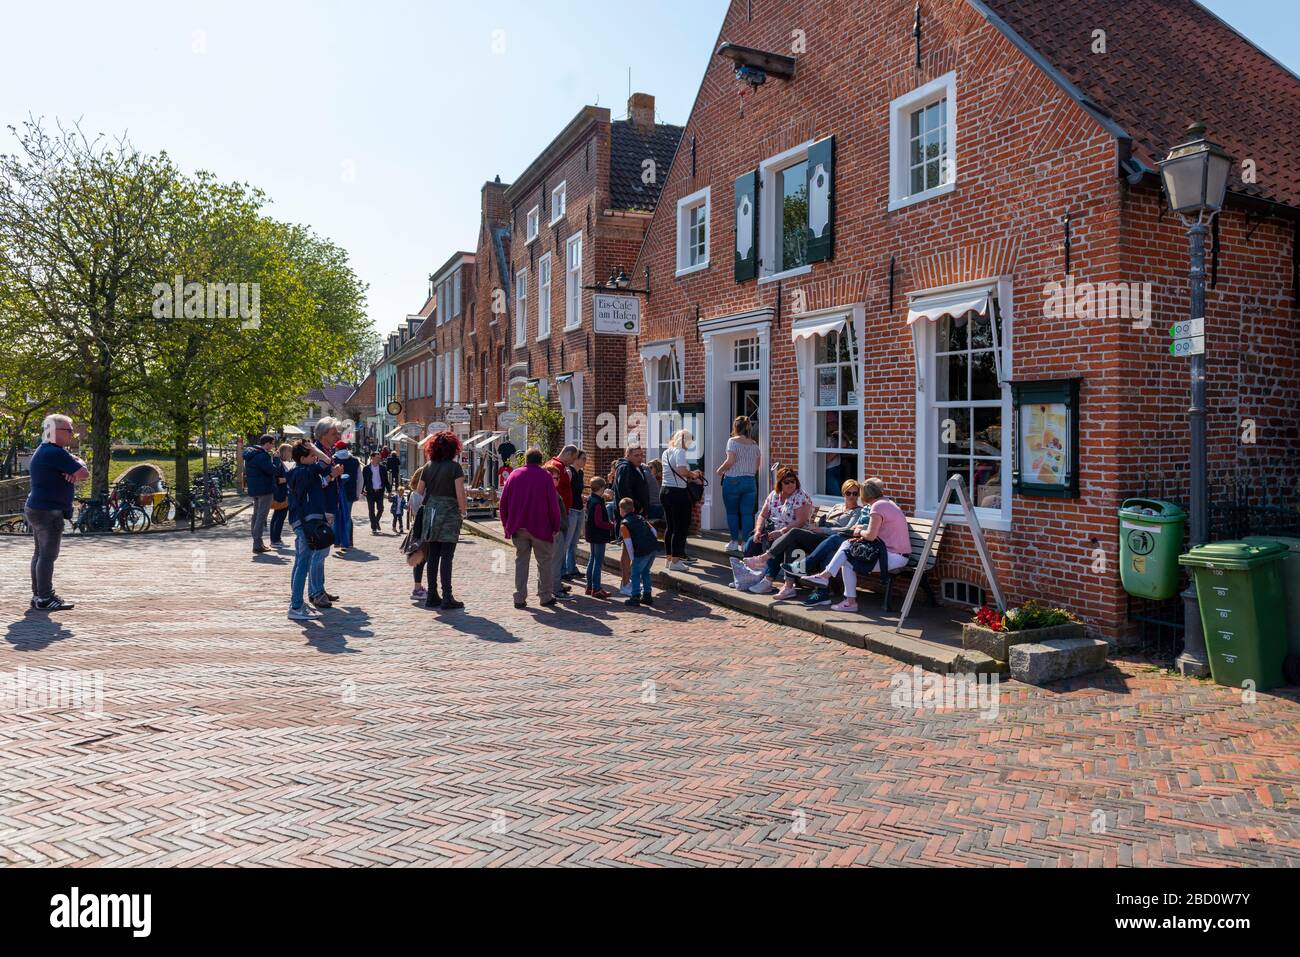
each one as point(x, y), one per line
point(746, 453)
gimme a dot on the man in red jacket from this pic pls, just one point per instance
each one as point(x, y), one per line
point(559, 466)
point(530, 515)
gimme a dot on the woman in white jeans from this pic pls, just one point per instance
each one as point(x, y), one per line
point(886, 524)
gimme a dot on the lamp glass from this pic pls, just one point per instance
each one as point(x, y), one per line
point(1216, 182)
point(1184, 179)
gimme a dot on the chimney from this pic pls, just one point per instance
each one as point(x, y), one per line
point(641, 111)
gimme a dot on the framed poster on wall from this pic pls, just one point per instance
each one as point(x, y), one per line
point(1046, 458)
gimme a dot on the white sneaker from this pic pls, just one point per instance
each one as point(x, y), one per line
point(760, 587)
point(679, 566)
point(733, 548)
point(626, 590)
point(303, 614)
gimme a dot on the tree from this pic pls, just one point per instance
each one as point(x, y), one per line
point(545, 423)
point(80, 241)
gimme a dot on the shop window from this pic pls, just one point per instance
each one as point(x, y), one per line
point(833, 403)
point(693, 232)
point(661, 365)
point(544, 297)
point(923, 143)
point(534, 219)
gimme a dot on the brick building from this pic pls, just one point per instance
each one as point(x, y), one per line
point(413, 375)
point(860, 252)
point(488, 346)
point(577, 214)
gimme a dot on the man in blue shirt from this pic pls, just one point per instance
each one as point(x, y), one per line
point(261, 478)
point(55, 473)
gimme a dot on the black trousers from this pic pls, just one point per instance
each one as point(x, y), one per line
point(439, 562)
point(677, 512)
point(375, 505)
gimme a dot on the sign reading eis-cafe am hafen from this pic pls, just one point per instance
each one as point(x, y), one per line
point(616, 315)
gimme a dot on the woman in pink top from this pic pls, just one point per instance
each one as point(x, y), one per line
point(887, 526)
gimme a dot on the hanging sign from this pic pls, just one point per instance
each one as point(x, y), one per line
point(616, 315)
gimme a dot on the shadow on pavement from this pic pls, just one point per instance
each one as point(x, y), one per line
point(36, 631)
point(329, 635)
point(355, 554)
point(484, 629)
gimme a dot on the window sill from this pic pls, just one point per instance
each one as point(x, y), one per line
point(531, 239)
point(499, 405)
point(687, 270)
point(896, 204)
point(543, 338)
point(956, 516)
point(572, 328)
point(557, 219)
point(787, 274)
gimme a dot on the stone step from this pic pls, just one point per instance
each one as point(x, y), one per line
point(1056, 659)
point(931, 639)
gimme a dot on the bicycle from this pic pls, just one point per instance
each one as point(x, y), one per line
point(15, 525)
point(207, 501)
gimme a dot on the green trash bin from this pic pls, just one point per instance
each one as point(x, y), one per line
point(1291, 587)
point(1239, 588)
point(1150, 538)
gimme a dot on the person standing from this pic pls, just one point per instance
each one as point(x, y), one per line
point(54, 473)
point(283, 462)
point(398, 509)
point(306, 497)
point(641, 543)
point(577, 481)
point(377, 485)
point(531, 518)
point(559, 468)
point(629, 481)
point(677, 499)
point(739, 474)
point(392, 462)
point(442, 488)
point(348, 484)
point(260, 477)
point(416, 509)
point(327, 434)
point(599, 532)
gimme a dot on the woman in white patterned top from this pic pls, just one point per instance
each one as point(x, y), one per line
point(739, 473)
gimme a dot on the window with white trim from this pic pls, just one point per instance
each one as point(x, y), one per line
point(832, 403)
point(783, 216)
point(455, 375)
point(745, 355)
point(559, 197)
point(665, 393)
point(534, 219)
point(571, 407)
point(455, 293)
point(573, 282)
point(544, 296)
point(521, 308)
point(693, 232)
point(923, 143)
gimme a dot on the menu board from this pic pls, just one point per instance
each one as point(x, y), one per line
point(1044, 434)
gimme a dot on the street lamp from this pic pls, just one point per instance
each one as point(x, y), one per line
point(1195, 178)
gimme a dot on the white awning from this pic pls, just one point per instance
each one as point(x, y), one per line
point(955, 304)
point(292, 430)
point(657, 351)
point(400, 430)
point(473, 439)
point(491, 439)
point(821, 326)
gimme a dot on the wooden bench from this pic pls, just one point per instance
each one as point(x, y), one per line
point(919, 562)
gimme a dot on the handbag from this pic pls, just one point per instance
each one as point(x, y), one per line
point(694, 487)
point(413, 547)
point(318, 534)
point(865, 555)
point(279, 506)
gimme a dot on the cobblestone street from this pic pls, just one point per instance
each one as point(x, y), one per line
point(589, 734)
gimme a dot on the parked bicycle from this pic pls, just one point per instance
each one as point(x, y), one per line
point(120, 510)
point(14, 525)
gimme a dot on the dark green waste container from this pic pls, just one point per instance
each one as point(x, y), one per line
point(1291, 588)
point(1150, 538)
point(1243, 613)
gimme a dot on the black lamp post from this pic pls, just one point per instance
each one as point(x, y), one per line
point(1195, 177)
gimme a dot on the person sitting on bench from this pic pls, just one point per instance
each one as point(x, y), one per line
point(884, 542)
point(818, 543)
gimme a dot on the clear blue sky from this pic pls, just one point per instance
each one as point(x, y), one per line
point(378, 122)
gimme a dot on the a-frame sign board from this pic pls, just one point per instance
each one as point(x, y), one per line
point(955, 484)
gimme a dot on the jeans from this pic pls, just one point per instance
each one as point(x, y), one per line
point(261, 508)
point(784, 548)
point(303, 558)
point(677, 508)
point(738, 495)
point(343, 525)
point(573, 533)
point(640, 579)
point(558, 551)
point(439, 564)
point(525, 543)
point(315, 563)
point(277, 525)
point(47, 536)
point(594, 563)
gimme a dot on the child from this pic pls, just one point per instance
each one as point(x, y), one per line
point(641, 544)
point(599, 533)
point(398, 508)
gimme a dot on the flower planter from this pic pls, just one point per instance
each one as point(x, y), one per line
point(997, 644)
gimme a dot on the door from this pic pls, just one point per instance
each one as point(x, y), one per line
point(745, 401)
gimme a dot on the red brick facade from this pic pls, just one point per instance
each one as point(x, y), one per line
point(1027, 156)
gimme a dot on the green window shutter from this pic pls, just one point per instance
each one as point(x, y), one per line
point(821, 199)
point(746, 220)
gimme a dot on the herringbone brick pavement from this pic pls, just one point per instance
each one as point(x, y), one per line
point(590, 735)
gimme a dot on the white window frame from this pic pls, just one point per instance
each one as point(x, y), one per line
point(900, 113)
point(558, 209)
point(572, 283)
point(455, 375)
point(455, 292)
point(570, 393)
point(927, 485)
point(805, 359)
point(701, 198)
point(544, 297)
point(650, 366)
point(755, 366)
point(767, 171)
point(533, 223)
point(521, 308)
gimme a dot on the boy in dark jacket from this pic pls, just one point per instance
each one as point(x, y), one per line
point(629, 482)
point(599, 533)
point(641, 543)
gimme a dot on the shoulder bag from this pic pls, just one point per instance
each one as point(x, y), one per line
point(694, 487)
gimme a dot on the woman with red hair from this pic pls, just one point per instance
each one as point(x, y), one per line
point(442, 485)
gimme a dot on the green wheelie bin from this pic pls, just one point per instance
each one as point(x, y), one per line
point(1291, 586)
point(1243, 613)
point(1150, 538)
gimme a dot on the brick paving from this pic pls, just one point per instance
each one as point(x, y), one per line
point(686, 735)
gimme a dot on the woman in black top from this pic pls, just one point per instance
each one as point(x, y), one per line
point(442, 483)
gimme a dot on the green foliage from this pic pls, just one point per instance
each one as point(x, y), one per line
point(1034, 614)
point(545, 423)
